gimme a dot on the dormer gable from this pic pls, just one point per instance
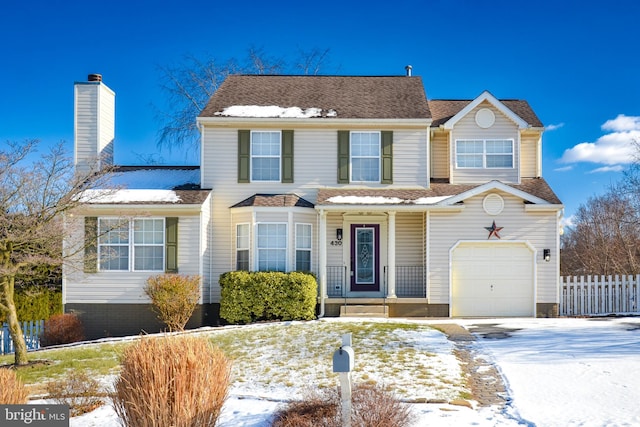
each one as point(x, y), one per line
point(488, 97)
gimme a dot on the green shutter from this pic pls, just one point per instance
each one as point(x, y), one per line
point(343, 157)
point(287, 156)
point(171, 245)
point(90, 244)
point(387, 157)
point(244, 155)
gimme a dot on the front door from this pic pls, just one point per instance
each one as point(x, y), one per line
point(365, 257)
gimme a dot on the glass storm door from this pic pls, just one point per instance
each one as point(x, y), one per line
point(365, 258)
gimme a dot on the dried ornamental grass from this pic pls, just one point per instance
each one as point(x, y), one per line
point(78, 390)
point(12, 390)
point(171, 381)
point(371, 407)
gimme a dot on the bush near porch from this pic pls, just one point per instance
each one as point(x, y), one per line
point(251, 296)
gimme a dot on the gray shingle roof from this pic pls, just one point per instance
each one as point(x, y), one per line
point(444, 109)
point(351, 97)
point(274, 200)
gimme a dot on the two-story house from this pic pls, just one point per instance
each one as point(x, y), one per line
point(421, 207)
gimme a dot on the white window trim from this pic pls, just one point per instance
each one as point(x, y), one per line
point(132, 245)
point(239, 248)
point(351, 180)
point(251, 156)
point(484, 153)
point(309, 249)
point(256, 258)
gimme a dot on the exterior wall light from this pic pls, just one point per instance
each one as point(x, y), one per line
point(338, 233)
point(546, 254)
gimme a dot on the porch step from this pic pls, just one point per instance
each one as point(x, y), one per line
point(364, 311)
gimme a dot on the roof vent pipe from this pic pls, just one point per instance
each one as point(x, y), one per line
point(94, 77)
point(408, 68)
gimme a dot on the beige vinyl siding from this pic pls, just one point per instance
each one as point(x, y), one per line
point(315, 165)
point(448, 228)
point(315, 162)
point(127, 287)
point(503, 128)
point(334, 252)
point(410, 158)
point(409, 239)
point(529, 156)
point(440, 161)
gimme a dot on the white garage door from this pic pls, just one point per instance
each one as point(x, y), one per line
point(492, 279)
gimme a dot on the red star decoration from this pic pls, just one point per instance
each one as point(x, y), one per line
point(493, 230)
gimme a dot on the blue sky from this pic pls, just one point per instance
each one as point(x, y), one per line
point(577, 64)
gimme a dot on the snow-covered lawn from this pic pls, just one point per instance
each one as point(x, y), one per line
point(559, 372)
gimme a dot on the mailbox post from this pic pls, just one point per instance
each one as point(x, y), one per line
point(343, 362)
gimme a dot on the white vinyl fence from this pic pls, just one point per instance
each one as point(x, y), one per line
point(599, 295)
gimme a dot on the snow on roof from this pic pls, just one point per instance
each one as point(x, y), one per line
point(364, 200)
point(379, 200)
point(130, 196)
point(273, 111)
point(430, 200)
point(154, 179)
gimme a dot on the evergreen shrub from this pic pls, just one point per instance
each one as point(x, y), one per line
point(253, 296)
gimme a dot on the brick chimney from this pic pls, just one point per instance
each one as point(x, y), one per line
point(94, 124)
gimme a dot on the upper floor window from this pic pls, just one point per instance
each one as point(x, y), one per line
point(265, 156)
point(272, 246)
point(137, 245)
point(484, 153)
point(365, 156)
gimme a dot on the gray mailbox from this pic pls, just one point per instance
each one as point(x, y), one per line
point(343, 359)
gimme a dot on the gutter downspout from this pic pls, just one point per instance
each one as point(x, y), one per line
point(323, 261)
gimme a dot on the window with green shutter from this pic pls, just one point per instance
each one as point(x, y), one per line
point(265, 156)
point(141, 244)
point(365, 156)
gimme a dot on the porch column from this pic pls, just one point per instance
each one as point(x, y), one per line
point(391, 257)
point(322, 247)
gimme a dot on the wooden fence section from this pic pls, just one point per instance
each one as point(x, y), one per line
point(31, 331)
point(599, 295)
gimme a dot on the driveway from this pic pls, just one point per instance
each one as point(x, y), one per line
point(565, 372)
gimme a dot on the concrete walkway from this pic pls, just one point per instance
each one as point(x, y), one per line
point(483, 379)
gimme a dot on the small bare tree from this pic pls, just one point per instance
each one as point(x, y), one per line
point(189, 85)
point(605, 238)
point(34, 195)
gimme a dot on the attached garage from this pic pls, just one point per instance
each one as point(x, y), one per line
point(492, 279)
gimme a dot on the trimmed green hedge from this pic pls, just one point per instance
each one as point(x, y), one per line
point(251, 296)
point(36, 303)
